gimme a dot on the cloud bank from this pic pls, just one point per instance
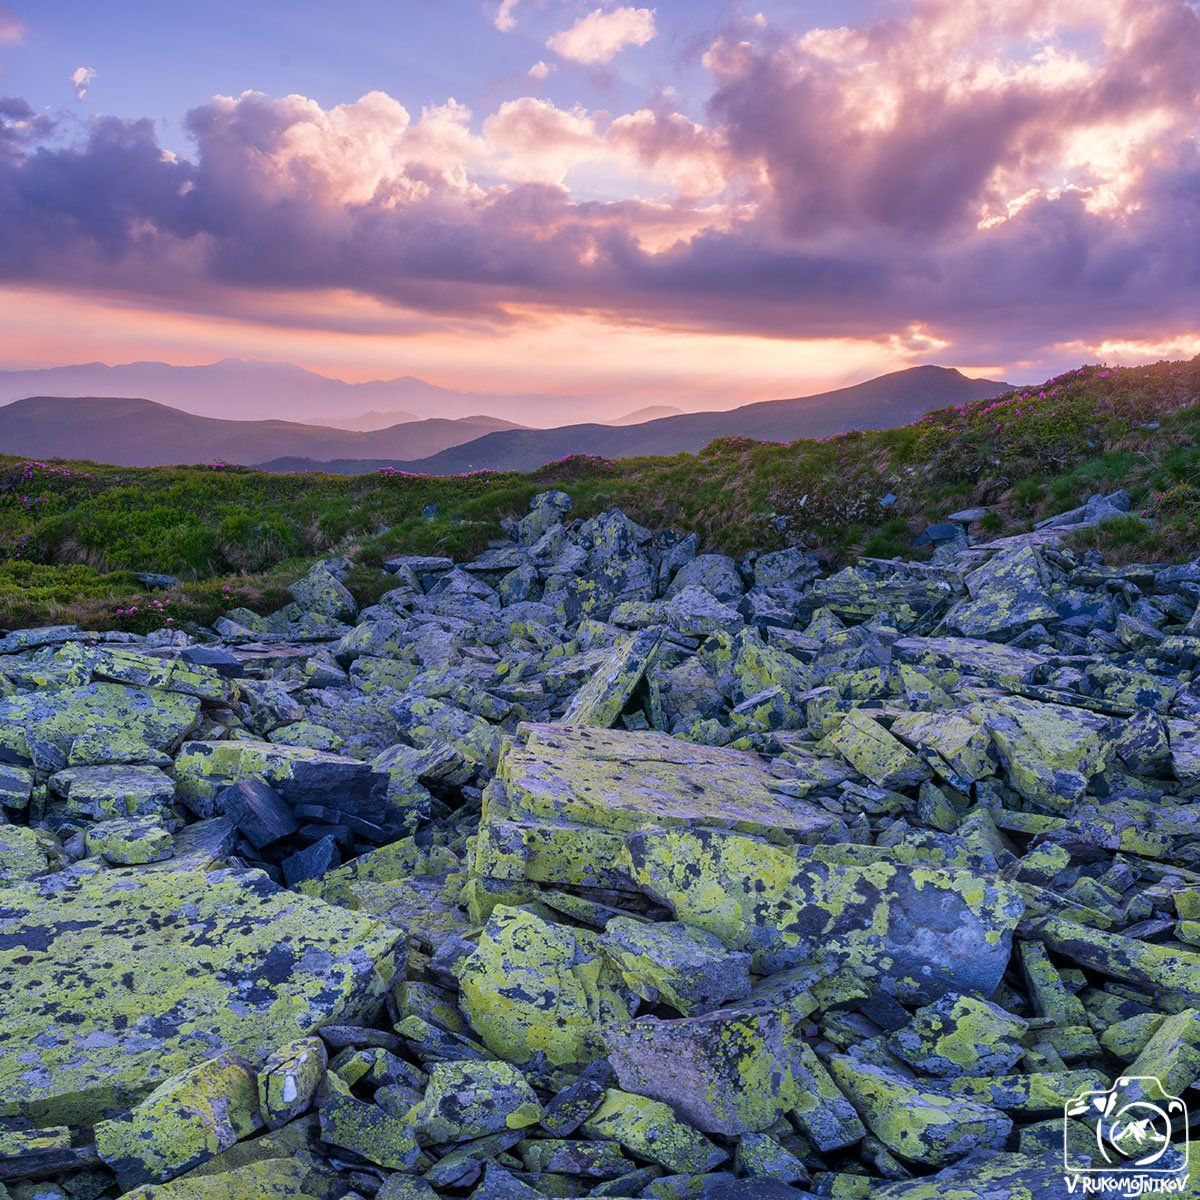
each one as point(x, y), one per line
point(998, 177)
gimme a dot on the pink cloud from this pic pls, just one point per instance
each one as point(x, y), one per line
point(81, 80)
point(506, 19)
point(601, 36)
point(12, 29)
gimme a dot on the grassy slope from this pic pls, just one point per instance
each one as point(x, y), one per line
point(72, 535)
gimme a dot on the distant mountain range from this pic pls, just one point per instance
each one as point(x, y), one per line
point(143, 433)
point(366, 422)
point(886, 402)
point(233, 387)
point(369, 421)
point(650, 413)
point(139, 432)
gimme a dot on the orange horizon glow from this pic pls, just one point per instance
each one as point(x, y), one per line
point(565, 354)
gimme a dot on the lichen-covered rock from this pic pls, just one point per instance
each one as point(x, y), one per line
point(695, 612)
point(920, 932)
point(600, 701)
point(466, 1100)
point(625, 781)
point(298, 774)
point(321, 591)
point(650, 1130)
point(364, 1128)
point(1171, 1054)
point(956, 740)
point(725, 1072)
point(288, 1080)
point(1048, 752)
point(225, 960)
point(101, 793)
point(536, 990)
point(121, 664)
point(128, 841)
point(184, 1121)
point(716, 574)
point(920, 1126)
point(875, 753)
point(1130, 959)
point(1002, 1176)
point(956, 658)
point(24, 852)
point(581, 1159)
point(760, 1156)
point(1007, 594)
point(960, 1035)
point(261, 1179)
point(16, 787)
point(821, 1109)
point(1144, 745)
point(687, 968)
point(94, 724)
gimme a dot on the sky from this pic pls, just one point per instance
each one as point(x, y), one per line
point(693, 201)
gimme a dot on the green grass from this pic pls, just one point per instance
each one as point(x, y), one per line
point(72, 535)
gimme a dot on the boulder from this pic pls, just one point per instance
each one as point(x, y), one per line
point(300, 775)
point(288, 1080)
point(128, 841)
point(226, 961)
point(920, 1126)
point(687, 968)
point(24, 852)
point(917, 932)
point(648, 1129)
point(1048, 752)
point(960, 1035)
point(534, 990)
point(724, 1072)
point(473, 1099)
point(875, 753)
point(716, 574)
point(97, 723)
point(695, 612)
point(185, 1121)
point(625, 781)
point(101, 793)
point(600, 701)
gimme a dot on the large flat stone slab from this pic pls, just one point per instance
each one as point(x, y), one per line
point(565, 798)
point(111, 981)
point(626, 781)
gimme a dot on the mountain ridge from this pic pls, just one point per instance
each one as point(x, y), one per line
point(136, 432)
point(885, 402)
point(230, 387)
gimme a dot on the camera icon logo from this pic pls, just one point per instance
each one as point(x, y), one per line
point(1136, 1124)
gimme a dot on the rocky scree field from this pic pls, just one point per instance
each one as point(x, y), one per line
point(595, 865)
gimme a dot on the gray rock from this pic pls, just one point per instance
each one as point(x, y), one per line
point(695, 612)
point(716, 574)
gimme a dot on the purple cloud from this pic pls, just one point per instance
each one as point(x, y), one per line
point(947, 171)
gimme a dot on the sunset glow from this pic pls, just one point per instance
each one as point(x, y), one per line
point(688, 202)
